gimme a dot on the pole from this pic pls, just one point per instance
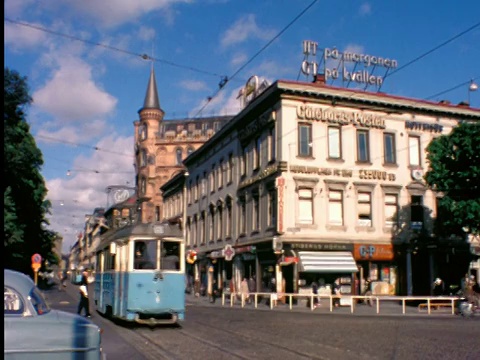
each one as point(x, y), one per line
point(35, 277)
point(409, 272)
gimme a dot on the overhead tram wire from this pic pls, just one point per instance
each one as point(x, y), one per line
point(113, 48)
point(96, 148)
point(431, 51)
point(452, 88)
point(225, 80)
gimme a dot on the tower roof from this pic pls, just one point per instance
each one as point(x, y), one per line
point(151, 97)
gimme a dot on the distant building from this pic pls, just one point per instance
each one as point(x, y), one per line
point(160, 148)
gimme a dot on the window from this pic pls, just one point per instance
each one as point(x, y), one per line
point(142, 132)
point(304, 140)
point(257, 153)
point(391, 209)
point(334, 143)
point(272, 207)
point(256, 211)
point(389, 148)
point(212, 179)
point(38, 302)
point(179, 156)
point(271, 144)
point(195, 189)
point(157, 213)
point(228, 224)
point(219, 222)
point(211, 229)
point(170, 256)
point(190, 150)
point(305, 206)
point(145, 256)
point(143, 185)
point(243, 216)
point(414, 150)
point(335, 207)
point(416, 215)
point(230, 169)
point(362, 146)
point(364, 209)
point(204, 184)
point(12, 302)
point(220, 174)
point(243, 164)
point(203, 227)
point(143, 158)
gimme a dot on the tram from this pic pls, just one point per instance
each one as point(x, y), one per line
point(140, 274)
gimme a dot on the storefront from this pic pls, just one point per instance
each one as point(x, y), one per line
point(376, 263)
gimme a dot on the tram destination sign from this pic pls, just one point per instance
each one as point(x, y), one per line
point(348, 66)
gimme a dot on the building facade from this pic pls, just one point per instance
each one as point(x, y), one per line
point(317, 183)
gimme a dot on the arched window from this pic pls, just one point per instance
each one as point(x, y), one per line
point(179, 156)
point(190, 150)
point(143, 185)
point(143, 158)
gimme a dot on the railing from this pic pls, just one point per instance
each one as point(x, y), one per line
point(431, 301)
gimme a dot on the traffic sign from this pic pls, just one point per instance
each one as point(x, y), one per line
point(36, 266)
point(36, 259)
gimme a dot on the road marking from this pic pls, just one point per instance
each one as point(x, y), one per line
point(64, 302)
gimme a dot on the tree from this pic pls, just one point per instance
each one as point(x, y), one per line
point(455, 173)
point(24, 190)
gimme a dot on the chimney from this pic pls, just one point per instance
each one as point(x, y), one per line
point(463, 104)
point(444, 102)
point(319, 79)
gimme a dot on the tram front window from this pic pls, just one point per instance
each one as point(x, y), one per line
point(145, 255)
point(170, 256)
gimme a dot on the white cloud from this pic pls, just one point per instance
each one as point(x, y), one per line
point(15, 8)
point(71, 95)
point(84, 190)
point(244, 29)
point(146, 33)
point(19, 37)
point(114, 13)
point(365, 9)
point(193, 85)
point(238, 59)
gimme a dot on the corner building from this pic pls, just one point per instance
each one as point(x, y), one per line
point(317, 183)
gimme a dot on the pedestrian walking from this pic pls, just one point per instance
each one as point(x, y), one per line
point(244, 290)
point(214, 294)
point(438, 287)
point(336, 293)
point(84, 302)
point(252, 287)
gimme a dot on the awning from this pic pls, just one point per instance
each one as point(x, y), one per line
point(327, 261)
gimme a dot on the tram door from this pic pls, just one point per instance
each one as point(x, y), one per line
point(121, 268)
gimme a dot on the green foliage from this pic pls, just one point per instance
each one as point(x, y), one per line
point(23, 187)
point(455, 172)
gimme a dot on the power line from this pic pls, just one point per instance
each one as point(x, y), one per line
point(431, 51)
point(113, 48)
point(225, 79)
point(452, 88)
point(96, 148)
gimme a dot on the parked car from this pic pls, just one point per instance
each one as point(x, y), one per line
point(34, 331)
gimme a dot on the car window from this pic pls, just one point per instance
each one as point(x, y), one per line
point(13, 304)
point(38, 301)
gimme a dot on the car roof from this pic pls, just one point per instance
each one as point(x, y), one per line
point(17, 280)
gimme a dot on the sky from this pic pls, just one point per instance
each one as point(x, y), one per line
point(88, 63)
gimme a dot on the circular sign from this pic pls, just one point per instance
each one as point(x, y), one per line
point(36, 259)
point(121, 195)
point(229, 252)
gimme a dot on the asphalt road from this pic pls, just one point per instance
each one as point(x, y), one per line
point(215, 332)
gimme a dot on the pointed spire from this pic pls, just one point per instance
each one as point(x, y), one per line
point(151, 98)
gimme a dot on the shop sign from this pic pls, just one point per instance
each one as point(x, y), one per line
point(415, 125)
point(229, 252)
point(322, 246)
point(375, 175)
point(373, 252)
point(243, 249)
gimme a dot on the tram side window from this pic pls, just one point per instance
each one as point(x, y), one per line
point(170, 256)
point(145, 255)
point(109, 261)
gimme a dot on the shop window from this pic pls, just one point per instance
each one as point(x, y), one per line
point(305, 206)
point(389, 148)
point(363, 153)
point(335, 207)
point(414, 150)
point(364, 209)
point(304, 140)
point(334, 143)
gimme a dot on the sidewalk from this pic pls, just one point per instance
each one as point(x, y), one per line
point(386, 308)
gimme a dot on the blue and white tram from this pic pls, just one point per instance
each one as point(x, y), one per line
point(140, 274)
